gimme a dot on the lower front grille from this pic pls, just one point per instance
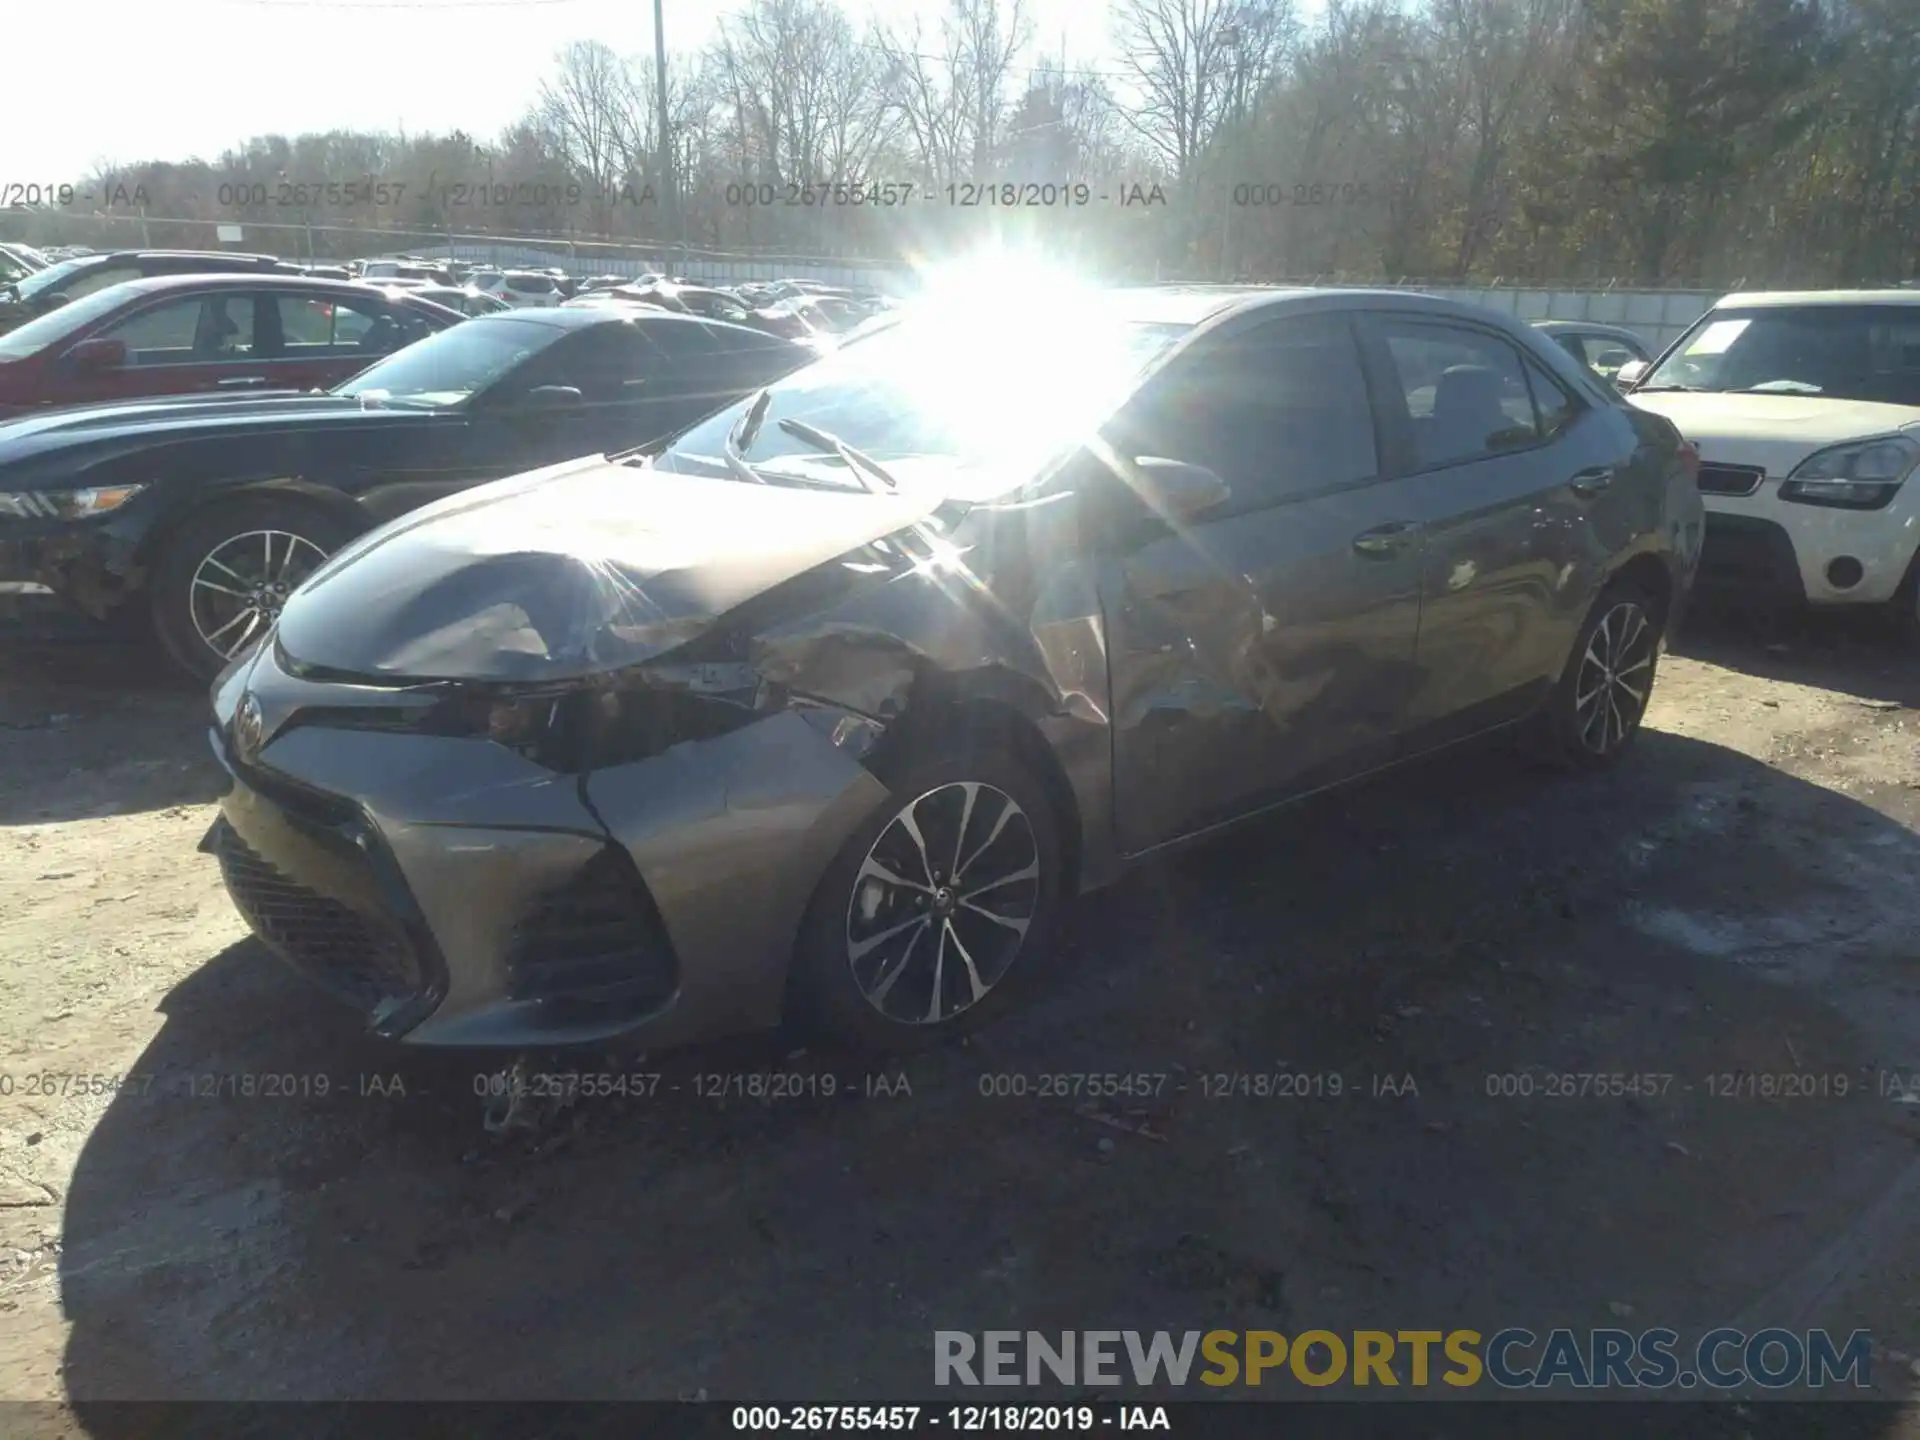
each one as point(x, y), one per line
point(1729, 479)
point(596, 938)
point(363, 960)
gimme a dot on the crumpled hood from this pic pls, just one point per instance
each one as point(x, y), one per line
point(570, 570)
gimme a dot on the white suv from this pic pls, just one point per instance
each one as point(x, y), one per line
point(1805, 408)
point(518, 288)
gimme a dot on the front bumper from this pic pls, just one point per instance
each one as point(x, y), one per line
point(90, 564)
point(458, 895)
point(1761, 543)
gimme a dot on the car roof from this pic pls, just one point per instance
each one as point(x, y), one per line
point(567, 317)
point(1757, 299)
point(231, 256)
point(242, 280)
point(1585, 327)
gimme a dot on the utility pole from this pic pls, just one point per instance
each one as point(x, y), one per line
point(669, 189)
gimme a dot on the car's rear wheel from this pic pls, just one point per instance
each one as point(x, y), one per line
point(1595, 711)
point(222, 576)
point(936, 907)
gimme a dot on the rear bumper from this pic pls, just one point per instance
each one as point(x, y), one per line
point(455, 894)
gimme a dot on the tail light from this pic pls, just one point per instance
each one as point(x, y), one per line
point(1689, 454)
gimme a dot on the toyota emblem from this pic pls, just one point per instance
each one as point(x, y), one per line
point(248, 727)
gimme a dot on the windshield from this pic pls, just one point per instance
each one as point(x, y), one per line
point(57, 325)
point(452, 366)
point(49, 280)
point(990, 401)
point(1842, 352)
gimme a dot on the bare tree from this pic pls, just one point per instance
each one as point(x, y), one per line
point(584, 109)
point(1193, 61)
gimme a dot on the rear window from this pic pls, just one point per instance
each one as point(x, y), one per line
point(530, 284)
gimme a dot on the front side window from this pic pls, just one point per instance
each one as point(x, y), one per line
point(1465, 392)
point(205, 329)
point(1277, 412)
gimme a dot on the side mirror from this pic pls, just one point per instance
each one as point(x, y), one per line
point(95, 356)
point(1629, 373)
point(1614, 360)
point(1175, 490)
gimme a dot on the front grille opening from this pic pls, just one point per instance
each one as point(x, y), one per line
point(362, 959)
point(598, 937)
point(1730, 479)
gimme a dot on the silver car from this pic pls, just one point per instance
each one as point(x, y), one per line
point(828, 704)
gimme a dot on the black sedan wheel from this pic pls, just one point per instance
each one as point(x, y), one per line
point(1597, 708)
point(224, 574)
point(922, 921)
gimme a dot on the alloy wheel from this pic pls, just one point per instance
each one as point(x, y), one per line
point(1615, 678)
point(238, 589)
point(942, 903)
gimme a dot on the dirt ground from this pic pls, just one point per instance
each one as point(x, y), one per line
point(1739, 897)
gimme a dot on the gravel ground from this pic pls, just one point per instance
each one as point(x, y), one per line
point(1739, 896)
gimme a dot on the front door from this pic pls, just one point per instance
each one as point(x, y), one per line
point(184, 346)
point(1266, 648)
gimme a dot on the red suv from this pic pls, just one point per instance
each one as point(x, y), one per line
point(177, 334)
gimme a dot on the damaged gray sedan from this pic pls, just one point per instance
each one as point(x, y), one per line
point(828, 704)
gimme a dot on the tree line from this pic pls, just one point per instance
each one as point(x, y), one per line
point(1653, 142)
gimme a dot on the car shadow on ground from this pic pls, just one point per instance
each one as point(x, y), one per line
point(97, 725)
point(1862, 655)
point(1461, 926)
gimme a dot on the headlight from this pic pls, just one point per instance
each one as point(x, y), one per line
point(1858, 476)
point(66, 504)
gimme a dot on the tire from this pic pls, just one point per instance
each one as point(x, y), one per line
point(1595, 710)
point(196, 588)
point(860, 937)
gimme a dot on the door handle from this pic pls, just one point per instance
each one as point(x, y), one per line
point(1385, 539)
point(1591, 482)
point(238, 380)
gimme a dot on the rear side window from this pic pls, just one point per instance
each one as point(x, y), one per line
point(1553, 407)
point(1466, 392)
point(97, 280)
point(326, 327)
point(1277, 411)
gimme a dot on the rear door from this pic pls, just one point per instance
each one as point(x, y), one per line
point(1512, 475)
point(1265, 648)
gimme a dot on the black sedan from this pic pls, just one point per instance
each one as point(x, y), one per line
point(206, 512)
point(828, 703)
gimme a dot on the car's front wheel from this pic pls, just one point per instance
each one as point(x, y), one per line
point(222, 576)
point(937, 905)
point(1595, 711)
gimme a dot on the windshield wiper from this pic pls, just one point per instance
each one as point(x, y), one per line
point(1649, 389)
point(855, 459)
point(747, 429)
point(742, 435)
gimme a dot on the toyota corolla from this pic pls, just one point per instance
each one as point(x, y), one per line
point(826, 705)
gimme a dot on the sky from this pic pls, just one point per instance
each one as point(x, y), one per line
point(195, 77)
